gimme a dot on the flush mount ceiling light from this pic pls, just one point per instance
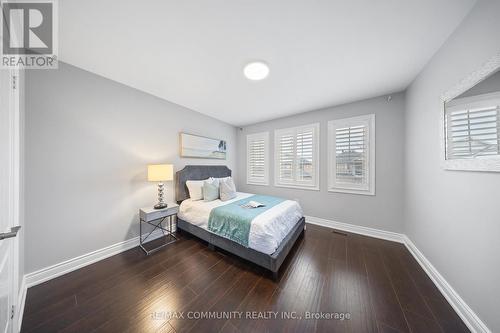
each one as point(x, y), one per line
point(256, 70)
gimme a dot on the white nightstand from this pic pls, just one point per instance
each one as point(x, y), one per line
point(155, 218)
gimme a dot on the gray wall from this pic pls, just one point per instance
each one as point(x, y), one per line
point(88, 141)
point(489, 85)
point(452, 216)
point(382, 211)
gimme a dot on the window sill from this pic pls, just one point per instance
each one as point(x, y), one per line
point(348, 191)
point(310, 188)
point(478, 165)
point(257, 184)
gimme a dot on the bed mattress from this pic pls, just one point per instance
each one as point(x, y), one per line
point(267, 230)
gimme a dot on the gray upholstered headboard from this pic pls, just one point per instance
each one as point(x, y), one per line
point(196, 172)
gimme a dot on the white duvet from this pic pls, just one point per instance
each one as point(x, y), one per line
point(267, 229)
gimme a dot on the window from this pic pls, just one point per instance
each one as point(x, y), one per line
point(472, 126)
point(297, 157)
point(257, 159)
point(351, 155)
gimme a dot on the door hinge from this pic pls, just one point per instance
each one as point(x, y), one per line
point(12, 311)
point(14, 82)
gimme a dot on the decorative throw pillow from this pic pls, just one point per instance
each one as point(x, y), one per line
point(211, 189)
point(195, 188)
point(227, 189)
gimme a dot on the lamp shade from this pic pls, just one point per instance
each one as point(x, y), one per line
point(160, 172)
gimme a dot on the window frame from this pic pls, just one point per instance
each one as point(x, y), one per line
point(333, 186)
point(265, 137)
point(316, 158)
point(466, 164)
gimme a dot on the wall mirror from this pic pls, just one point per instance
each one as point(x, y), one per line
point(471, 124)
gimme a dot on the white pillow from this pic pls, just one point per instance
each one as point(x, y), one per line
point(227, 189)
point(195, 188)
point(211, 189)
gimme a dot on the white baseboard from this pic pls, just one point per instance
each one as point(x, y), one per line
point(461, 308)
point(356, 229)
point(469, 317)
point(21, 300)
point(51, 272)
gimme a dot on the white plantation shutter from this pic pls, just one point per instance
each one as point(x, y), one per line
point(257, 158)
point(351, 150)
point(297, 158)
point(473, 128)
point(305, 155)
point(286, 158)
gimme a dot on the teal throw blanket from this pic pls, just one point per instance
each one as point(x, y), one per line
point(232, 221)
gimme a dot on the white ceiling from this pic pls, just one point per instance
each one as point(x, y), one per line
point(321, 53)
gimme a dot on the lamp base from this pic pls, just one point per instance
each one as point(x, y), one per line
point(161, 206)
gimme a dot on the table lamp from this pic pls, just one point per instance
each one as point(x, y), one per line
point(160, 173)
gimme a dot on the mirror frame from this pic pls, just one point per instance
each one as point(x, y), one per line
point(484, 165)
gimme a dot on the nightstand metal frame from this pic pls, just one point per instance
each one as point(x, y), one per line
point(157, 224)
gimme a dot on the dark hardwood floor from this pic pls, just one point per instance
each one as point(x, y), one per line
point(376, 283)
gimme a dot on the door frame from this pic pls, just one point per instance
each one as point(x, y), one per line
point(16, 194)
point(14, 185)
point(16, 191)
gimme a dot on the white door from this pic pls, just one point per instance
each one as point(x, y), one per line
point(9, 196)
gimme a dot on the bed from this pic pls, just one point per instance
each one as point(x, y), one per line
point(272, 234)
